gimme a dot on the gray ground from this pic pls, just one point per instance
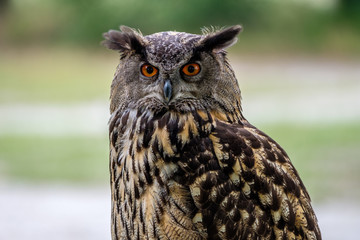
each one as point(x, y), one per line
point(66, 212)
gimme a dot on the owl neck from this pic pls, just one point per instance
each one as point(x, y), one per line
point(167, 131)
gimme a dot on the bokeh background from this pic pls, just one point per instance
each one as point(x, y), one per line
point(297, 62)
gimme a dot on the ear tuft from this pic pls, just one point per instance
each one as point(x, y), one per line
point(126, 40)
point(220, 40)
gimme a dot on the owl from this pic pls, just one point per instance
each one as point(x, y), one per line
point(184, 161)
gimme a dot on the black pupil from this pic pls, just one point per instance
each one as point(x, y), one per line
point(149, 70)
point(191, 69)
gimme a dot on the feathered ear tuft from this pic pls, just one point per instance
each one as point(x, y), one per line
point(220, 40)
point(126, 40)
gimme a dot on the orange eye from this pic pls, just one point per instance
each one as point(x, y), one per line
point(191, 69)
point(148, 71)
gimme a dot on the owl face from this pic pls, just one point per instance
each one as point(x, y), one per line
point(172, 70)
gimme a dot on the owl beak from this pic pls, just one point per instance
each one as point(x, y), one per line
point(167, 90)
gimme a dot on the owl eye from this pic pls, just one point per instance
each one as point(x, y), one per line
point(191, 69)
point(148, 71)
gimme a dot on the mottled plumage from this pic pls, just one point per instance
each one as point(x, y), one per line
point(184, 162)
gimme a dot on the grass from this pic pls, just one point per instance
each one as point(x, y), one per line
point(326, 157)
point(55, 75)
point(65, 159)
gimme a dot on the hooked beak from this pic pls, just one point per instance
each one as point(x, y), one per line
point(167, 90)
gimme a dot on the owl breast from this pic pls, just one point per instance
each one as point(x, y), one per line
point(150, 189)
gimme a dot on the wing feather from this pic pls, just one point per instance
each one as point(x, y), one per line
point(253, 191)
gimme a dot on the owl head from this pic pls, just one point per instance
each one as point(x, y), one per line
point(173, 71)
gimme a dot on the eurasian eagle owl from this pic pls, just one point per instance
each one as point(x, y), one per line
point(184, 162)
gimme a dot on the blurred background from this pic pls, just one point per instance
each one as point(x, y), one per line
point(297, 62)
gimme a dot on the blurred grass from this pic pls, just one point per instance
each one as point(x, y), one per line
point(64, 159)
point(326, 157)
point(54, 75)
